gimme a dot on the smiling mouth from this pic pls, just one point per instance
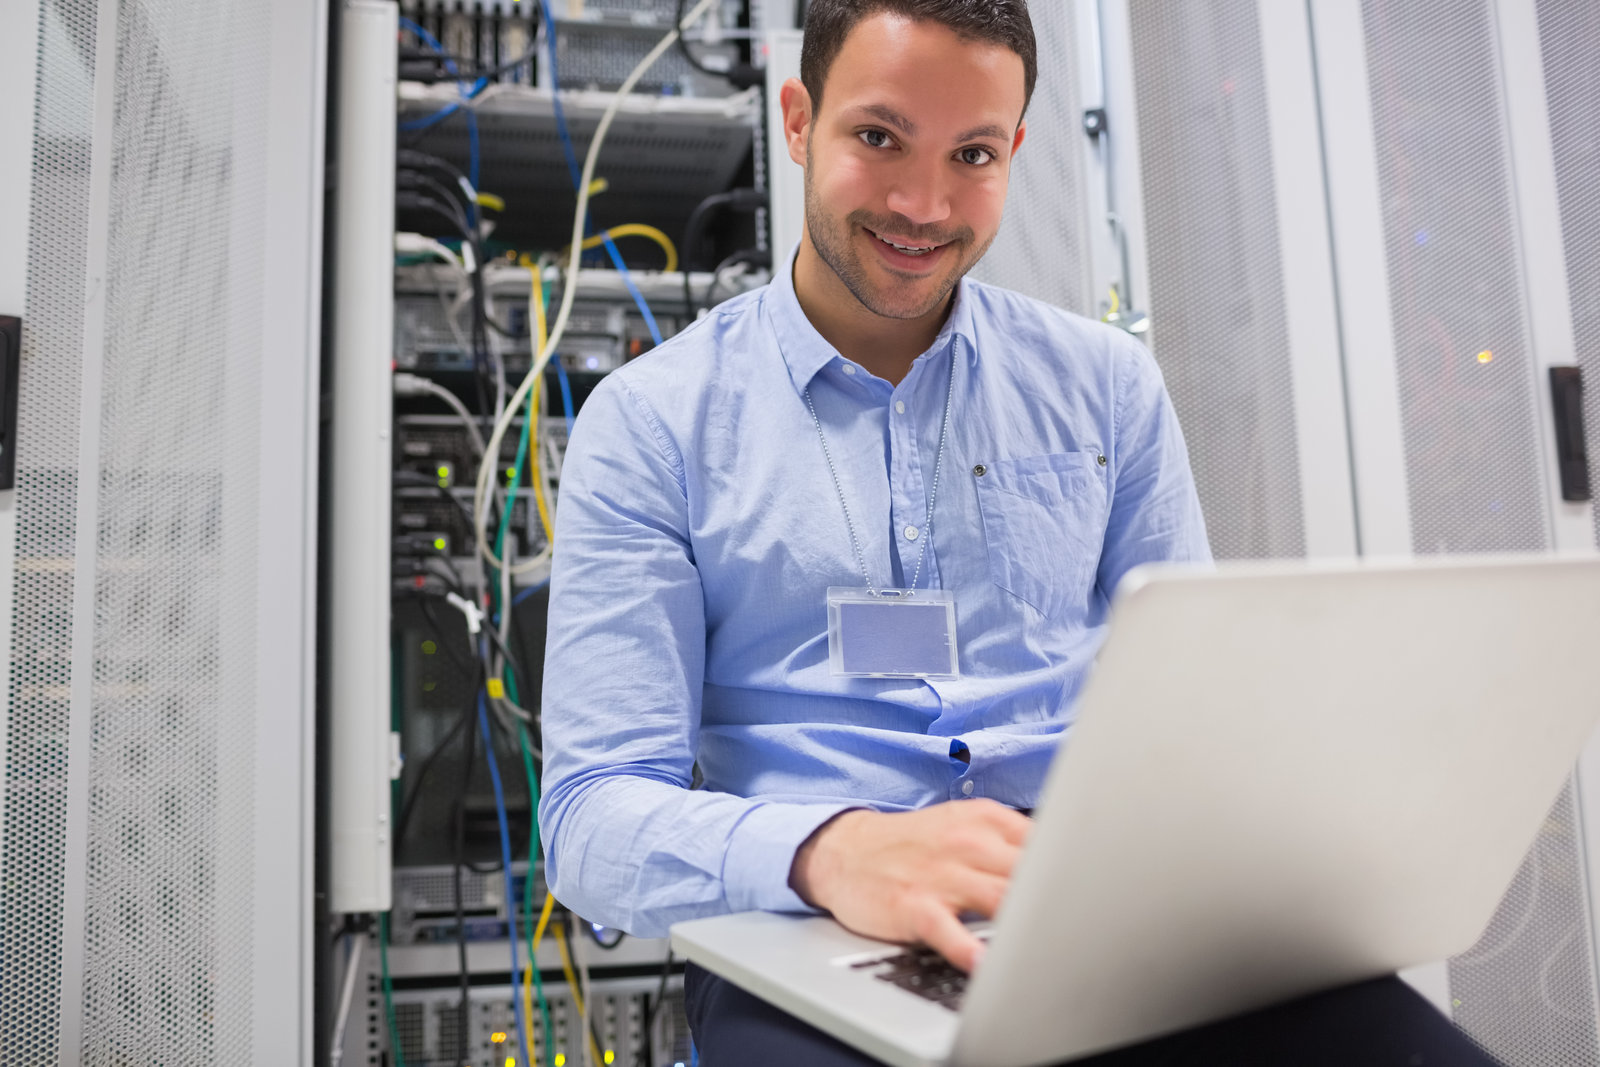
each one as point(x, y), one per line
point(907, 250)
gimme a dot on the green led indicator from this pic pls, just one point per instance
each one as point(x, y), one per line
point(444, 472)
point(429, 648)
point(439, 543)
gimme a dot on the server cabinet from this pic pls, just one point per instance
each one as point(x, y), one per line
point(155, 834)
point(1366, 233)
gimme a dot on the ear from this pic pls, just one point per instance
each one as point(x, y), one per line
point(1016, 142)
point(796, 104)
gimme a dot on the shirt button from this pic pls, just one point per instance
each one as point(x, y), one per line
point(900, 407)
point(966, 787)
point(912, 533)
point(849, 368)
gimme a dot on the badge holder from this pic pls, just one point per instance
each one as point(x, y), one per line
point(892, 633)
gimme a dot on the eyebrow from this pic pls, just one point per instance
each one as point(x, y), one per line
point(889, 115)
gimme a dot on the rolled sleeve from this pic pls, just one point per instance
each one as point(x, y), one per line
point(761, 852)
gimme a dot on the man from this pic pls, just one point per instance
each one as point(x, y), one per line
point(872, 419)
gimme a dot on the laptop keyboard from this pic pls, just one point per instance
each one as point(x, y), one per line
point(921, 971)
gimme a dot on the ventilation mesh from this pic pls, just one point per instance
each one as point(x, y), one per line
point(1471, 427)
point(1569, 31)
point(1471, 430)
point(33, 862)
point(1042, 246)
point(1216, 298)
point(169, 904)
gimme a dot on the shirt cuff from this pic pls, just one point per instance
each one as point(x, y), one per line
point(755, 873)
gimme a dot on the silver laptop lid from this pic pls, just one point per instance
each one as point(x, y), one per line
point(1285, 778)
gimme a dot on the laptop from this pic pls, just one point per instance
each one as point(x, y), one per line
point(1284, 778)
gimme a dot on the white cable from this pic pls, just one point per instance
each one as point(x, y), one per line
point(569, 293)
point(337, 1052)
point(416, 385)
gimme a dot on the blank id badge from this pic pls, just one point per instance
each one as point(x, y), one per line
point(892, 633)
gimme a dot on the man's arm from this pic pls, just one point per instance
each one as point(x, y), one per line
point(1155, 511)
point(627, 842)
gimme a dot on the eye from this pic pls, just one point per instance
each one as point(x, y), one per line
point(875, 138)
point(976, 157)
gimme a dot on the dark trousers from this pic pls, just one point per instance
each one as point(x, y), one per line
point(1381, 1023)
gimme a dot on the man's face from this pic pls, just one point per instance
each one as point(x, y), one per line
point(907, 160)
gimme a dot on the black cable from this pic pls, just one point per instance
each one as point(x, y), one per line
point(465, 71)
point(453, 195)
point(418, 480)
point(740, 75)
point(694, 230)
point(655, 1010)
point(458, 858)
point(420, 202)
point(411, 157)
point(572, 953)
point(609, 946)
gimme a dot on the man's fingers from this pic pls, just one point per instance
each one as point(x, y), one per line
point(983, 850)
point(941, 931)
point(1013, 826)
point(978, 892)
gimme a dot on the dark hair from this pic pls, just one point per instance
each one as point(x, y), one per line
point(1003, 22)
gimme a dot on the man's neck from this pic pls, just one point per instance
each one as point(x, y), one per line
point(885, 347)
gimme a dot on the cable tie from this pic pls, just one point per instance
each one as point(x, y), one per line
point(473, 614)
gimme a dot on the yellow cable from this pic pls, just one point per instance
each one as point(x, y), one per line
point(536, 455)
point(492, 202)
point(535, 451)
point(544, 920)
point(527, 972)
point(577, 998)
point(1116, 304)
point(638, 229)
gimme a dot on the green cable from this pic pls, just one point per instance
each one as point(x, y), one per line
point(388, 990)
point(527, 755)
point(527, 886)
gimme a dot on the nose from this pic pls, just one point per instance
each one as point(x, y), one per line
point(920, 195)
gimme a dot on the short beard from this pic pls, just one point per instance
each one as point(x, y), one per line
point(833, 247)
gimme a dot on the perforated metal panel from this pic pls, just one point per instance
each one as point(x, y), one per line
point(170, 856)
point(1462, 350)
point(157, 965)
point(1473, 446)
point(1569, 33)
point(33, 865)
point(1042, 246)
point(1216, 298)
point(1526, 990)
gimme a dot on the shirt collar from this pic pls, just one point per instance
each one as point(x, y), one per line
point(806, 352)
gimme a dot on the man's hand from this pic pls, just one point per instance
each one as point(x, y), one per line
point(909, 876)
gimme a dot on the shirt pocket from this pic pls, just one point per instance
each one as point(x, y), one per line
point(1044, 523)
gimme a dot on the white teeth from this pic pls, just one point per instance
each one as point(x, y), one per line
point(904, 249)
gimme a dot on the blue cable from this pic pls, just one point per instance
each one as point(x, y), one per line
point(443, 113)
point(528, 592)
point(505, 856)
point(576, 172)
point(567, 406)
point(555, 95)
point(638, 297)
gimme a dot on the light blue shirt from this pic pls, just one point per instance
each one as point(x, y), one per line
point(699, 530)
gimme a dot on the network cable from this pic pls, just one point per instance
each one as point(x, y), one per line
point(569, 293)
